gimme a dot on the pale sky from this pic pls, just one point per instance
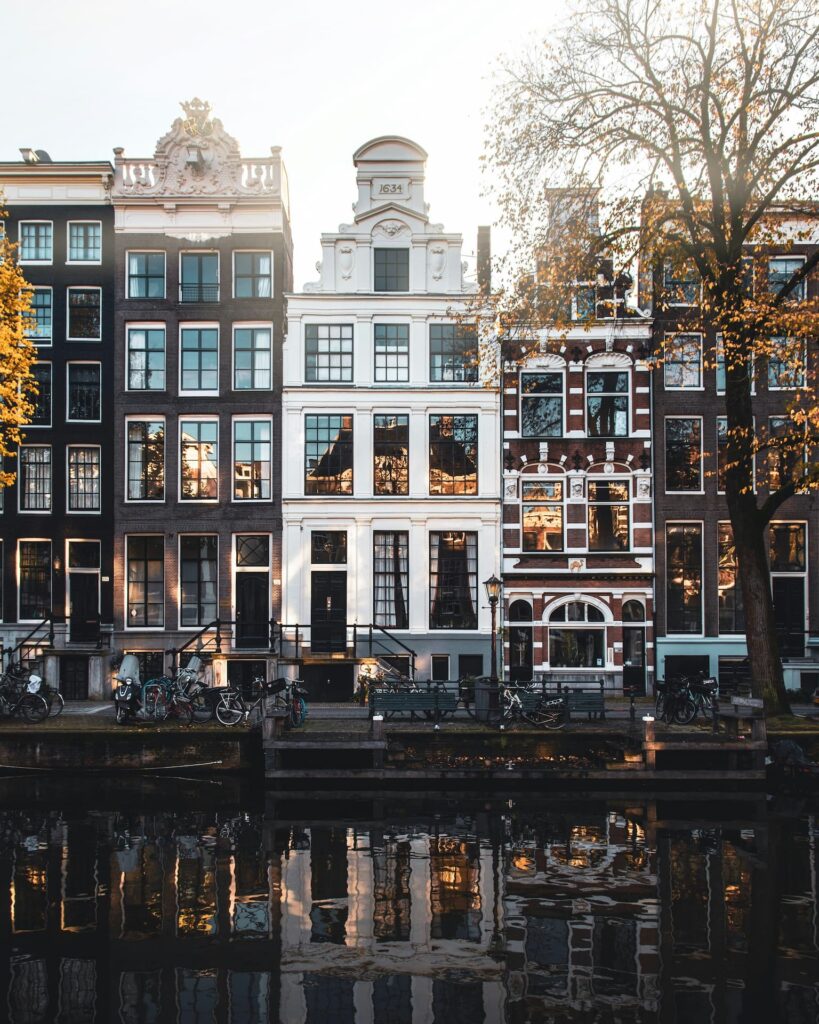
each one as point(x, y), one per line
point(317, 78)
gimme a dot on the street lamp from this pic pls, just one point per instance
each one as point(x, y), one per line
point(493, 588)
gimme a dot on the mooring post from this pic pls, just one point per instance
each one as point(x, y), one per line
point(377, 727)
point(648, 742)
point(715, 714)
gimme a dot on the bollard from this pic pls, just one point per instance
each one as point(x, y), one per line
point(649, 753)
point(715, 713)
point(377, 727)
point(632, 710)
point(648, 728)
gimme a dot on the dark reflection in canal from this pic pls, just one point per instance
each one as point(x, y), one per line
point(488, 910)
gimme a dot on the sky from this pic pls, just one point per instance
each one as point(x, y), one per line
point(316, 77)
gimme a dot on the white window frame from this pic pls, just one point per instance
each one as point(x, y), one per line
point(795, 387)
point(33, 263)
point(68, 243)
point(236, 569)
point(609, 394)
point(249, 418)
point(561, 372)
point(383, 381)
point(147, 325)
point(683, 334)
point(197, 418)
point(197, 252)
point(34, 540)
point(717, 348)
point(81, 288)
point(680, 416)
point(44, 342)
point(680, 305)
point(197, 325)
point(85, 572)
point(190, 533)
point(145, 418)
point(241, 325)
point(563, 481)
point(81, 362)
point(20, 492)
point(802, 574)
point(81, 511)
point(146, 298)
point(257, 298)
point(50, 424)
point(125, 605)
point(799, 294)
point(686, 522)
point(589, 503)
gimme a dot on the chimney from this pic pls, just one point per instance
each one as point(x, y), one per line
point(484, 257)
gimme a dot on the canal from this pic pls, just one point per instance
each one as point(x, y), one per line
point(194, 902)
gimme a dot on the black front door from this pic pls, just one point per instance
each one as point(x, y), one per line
point(252, 626)
point(74, 678)
point(328, 612)
point(789, 614)
point(634, 659)
point(85, 607)
point(328, 683)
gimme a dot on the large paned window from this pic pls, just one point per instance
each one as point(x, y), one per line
point(146, 275)
point(251, 359)
point(84, 321)
point(200, 359)
point(681, 283)
point(453, 580)
point(542, 515)
point(199, 277)
point(83, 478)
point(683, 585)
point(391, 352)
point(391, 579)
point(84, 241)
point(722, 451)
point(786, 364)
point(251, 460)
point(682, 365)
point(391, 270)
point(36, 242)
point(35, 579)
point(146, 358)
point(84, 387)
point(719, 352)
point(609, 515)
point(40, 317)
point(780, 271)
point(198, 460)
point(683, 453)
point(146, 581)
point(146, 460)
point(328, 454)
point(607, 404)
point(729, 593)
point(453, 455)
point(328, 547)
point(42, 401)
point(390, 454)
point(328, 353)
point(787, 454)
point(577, 644)
point(787, 547)
point(252, 275)
point(34, 485)
point(198, 575)
point(453, 354)
point(541, 404)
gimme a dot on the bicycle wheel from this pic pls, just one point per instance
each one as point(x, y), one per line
point(201, 709)
point(684, 710)
point(298, 712)
point(546, 717)
point(33, 708)
point(181, 711)
point(659, 706)
point(56, 704)
point(229, 711)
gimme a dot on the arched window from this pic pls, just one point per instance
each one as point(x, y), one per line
point(574, 642)
point(576, 611)
point(520, 611)
point(633, 611)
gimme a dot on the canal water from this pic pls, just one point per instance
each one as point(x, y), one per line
point(197, 903)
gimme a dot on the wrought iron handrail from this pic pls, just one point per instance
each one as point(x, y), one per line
point(300, 636)
point(10, 652)
point(217, 647)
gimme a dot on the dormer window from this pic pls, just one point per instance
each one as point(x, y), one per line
point(391, 270)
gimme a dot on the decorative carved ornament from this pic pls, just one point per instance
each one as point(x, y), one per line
point(346, 261)
point(437, 261)
point(391, 228)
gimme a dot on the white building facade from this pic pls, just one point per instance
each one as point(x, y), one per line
point(391, 473)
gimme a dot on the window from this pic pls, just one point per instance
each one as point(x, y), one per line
point(34, 486)
point(391, 579)
point(453, 455)
point(84, 305)
point(36, 242)
point(607, 404)
point(199, 277)
point(253, 551)
point(328, 547)
point(328, 352)
point(780, 271)
point(197, 580)
point(251, 460)
point(146, 358)
point(541, 404)
point(453, 354)
point(787, 455)
point(145, 581)
point(682, 366)
point(719, 346)
point(684, 577)
point(42, 400)
point(786, 364)
point(609, 515)
point(252, 275)
point(391, 270)
point(146, 275)
point(722, 451)
point(683, 453)
point(681, 284)
point(729, 593)
point(251, 359)
point(390, 454)
point(84, 241)
point(328, 455)
point(83, 478)
point(575, 645)
point(391, 352)
point(40, 316)
point(35, 579)
point(584, 302)
point(787, 547)
point(440, 667)
point(84, 386)
point(200, 359)
point(542, 515)
point(198, 460)
point(146, 460)
point(453, 580)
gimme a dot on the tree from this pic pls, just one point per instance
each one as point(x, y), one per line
point(17, 356)
point(694, 129)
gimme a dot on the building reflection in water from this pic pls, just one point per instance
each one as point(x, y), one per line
point(522, 914)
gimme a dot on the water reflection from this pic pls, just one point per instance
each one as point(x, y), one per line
point(524, 911)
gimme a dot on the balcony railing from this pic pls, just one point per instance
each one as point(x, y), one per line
point(199, 293)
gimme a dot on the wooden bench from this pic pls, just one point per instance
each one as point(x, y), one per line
point(584, 702)
point(430, 704)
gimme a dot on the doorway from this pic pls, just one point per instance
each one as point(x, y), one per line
point(84, 597)
point(252, 605)
point(242, 673)
point(331, 683)
point(74, 678)
point(789, 614)
point(328, 612)
point(634, 659)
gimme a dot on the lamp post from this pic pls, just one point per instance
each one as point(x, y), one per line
point(493, 588)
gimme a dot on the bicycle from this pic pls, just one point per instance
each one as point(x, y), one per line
point(698, 693)
point(20, 677)
point(19, 700)
point(532, 706)
point(289, 697)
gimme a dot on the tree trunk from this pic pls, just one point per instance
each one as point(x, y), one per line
point(755, 579)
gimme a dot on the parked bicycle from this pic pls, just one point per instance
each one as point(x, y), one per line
point(699, 694)
point(20, 676)
point(19, 698)
point(531, 705)
point(289, 697)
point(157, 700)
